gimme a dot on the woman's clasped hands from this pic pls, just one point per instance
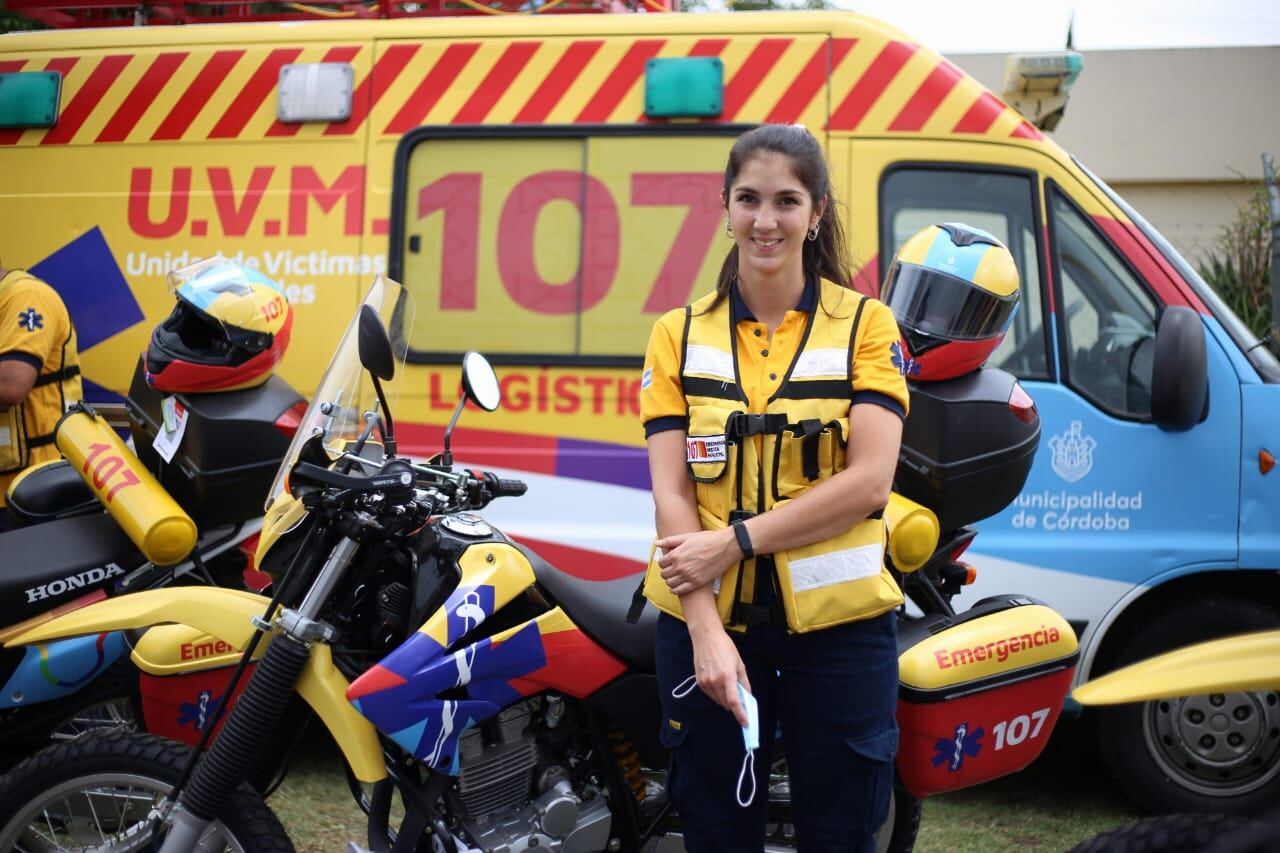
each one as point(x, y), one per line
point(692, 560)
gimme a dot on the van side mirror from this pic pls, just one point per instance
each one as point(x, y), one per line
point(1179, 372)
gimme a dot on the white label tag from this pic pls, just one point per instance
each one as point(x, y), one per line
point(5, 440)
point(705, 448)
point(173, 425)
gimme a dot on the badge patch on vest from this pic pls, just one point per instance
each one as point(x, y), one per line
point(705, 448)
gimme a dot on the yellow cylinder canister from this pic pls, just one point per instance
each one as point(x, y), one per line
point(136, 500)
point(913, 532)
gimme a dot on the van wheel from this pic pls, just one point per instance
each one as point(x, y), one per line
point(1217, 753)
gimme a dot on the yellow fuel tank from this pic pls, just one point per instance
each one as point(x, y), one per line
point(136, 500)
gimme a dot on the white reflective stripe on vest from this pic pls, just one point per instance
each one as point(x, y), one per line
point(814, 363)
point(853, 564)
point(703, 360)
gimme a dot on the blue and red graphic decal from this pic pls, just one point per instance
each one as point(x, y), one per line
point(53, 670)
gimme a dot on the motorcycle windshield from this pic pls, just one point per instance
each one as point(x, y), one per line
point(345, 392)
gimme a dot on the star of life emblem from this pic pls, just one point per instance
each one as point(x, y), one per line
point(1072, 453)
point(30, 320)
point(906, 365)
point(963, 745)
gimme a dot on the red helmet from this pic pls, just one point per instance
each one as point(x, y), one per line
point(229, 329)
point(953, 290)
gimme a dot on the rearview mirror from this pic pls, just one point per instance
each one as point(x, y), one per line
point(375, 346)
point(480, 382)
point(1179, 371)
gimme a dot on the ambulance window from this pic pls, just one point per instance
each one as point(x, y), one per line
point(555, 249)
point(1108, 320)
point(1001, 203)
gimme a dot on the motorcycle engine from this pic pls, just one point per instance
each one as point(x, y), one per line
point(517, 793)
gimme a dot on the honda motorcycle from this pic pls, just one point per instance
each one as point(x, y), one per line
point(509, 704)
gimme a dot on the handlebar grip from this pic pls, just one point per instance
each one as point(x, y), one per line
point(510, 488)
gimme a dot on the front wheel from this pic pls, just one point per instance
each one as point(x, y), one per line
point(97, 792)
point(1183, 833)
point(1217, 753)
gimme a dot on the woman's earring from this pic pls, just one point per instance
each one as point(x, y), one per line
point(728, 229)
point(813, 233)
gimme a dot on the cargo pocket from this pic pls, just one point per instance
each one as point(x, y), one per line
point(673, 736)
point(871, 758)
point(806, 452)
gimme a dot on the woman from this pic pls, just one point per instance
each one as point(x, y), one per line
point(773, 414)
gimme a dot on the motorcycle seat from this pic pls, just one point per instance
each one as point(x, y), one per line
point(49, 491)
point(600, 609)
point(59, 561)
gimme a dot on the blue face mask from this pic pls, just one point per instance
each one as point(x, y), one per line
point(750, 735)
point(751, 740)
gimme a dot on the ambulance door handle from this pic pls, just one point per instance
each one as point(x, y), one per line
point(415, 243)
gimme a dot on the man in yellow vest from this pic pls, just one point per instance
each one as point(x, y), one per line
point(39, 372)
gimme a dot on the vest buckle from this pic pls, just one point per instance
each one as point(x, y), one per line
point(743, 425)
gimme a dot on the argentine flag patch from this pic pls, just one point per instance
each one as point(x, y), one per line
point(646, 379)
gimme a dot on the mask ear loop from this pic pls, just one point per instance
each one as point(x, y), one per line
point(685, 687)
point(748, 767)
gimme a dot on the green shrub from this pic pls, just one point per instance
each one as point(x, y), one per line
point(1239, 265)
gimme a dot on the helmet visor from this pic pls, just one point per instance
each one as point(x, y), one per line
point(243, 301)
point(945, 306)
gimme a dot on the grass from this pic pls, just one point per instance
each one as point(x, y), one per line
point(1062, 799)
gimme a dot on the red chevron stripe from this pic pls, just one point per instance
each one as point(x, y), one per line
point(925, 101)
point(981, 115)
point(810, 80)
point(1027, 130)
point(197, 95)
point(342, 53)
point(616, 86)
point(371, 90)
point(709, 47)
point(878, 76)
point(260, 85)
point(750, 73)
point(500, 76)
point(553, 87)
point(89, 96)
point(432, 88)
point(8, 137)
point(139, 100)
point(63, 66)
point(8, 66)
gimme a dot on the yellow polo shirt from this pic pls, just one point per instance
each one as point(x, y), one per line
point(36, 328)
point(763, 362)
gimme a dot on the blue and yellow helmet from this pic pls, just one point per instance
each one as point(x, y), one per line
point(953, 289)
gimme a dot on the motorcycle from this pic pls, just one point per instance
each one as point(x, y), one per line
point(1222, 697)
point(99, 523)
point(511, 705)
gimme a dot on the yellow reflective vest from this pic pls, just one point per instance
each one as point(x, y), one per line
point(746, 463)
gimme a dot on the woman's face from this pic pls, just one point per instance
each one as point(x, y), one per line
point(770, 212)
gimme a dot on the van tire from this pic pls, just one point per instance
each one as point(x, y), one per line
point(1154, 749)
point(1179, 833)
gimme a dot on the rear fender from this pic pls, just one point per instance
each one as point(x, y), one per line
point(1246, 662)
point(225, 615)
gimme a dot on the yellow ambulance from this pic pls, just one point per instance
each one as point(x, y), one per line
point(547, 185)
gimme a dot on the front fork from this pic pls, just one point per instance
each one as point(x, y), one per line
point(257, 711)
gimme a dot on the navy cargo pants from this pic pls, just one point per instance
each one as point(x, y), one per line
point(833, 692)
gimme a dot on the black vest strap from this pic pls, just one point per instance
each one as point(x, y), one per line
point(40, 441)
point(56, 376)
